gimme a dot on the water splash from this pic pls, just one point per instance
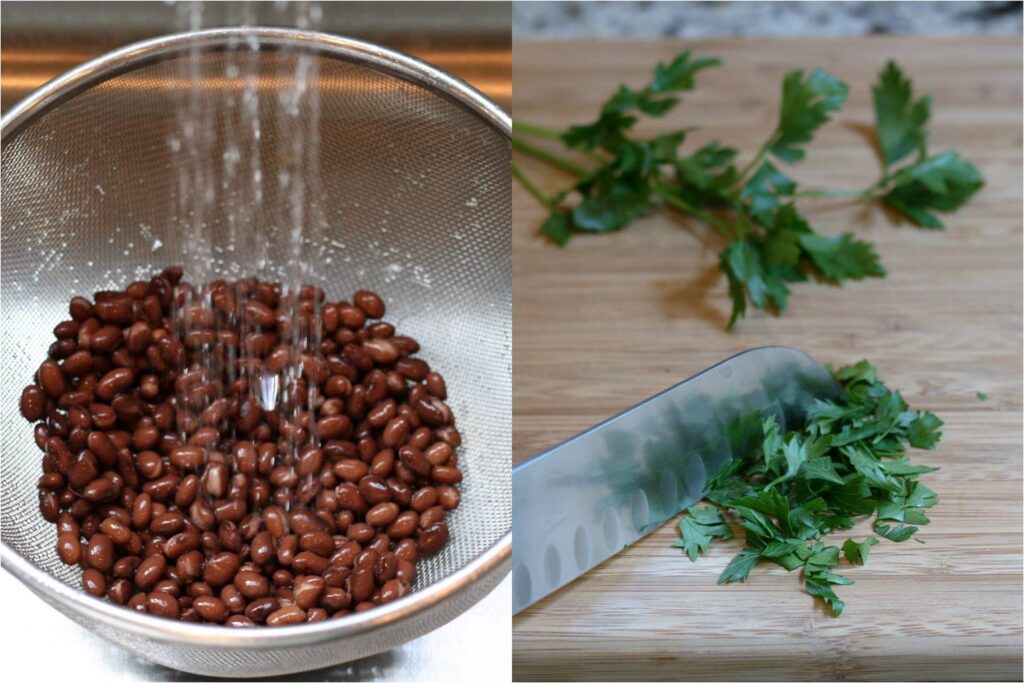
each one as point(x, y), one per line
point(222, 158)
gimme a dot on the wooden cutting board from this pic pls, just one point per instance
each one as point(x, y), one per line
point(612, 319)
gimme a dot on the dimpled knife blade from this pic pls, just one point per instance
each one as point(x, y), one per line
point(581, 502)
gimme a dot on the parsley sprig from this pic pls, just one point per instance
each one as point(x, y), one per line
point(848, 462)
point(769, 244)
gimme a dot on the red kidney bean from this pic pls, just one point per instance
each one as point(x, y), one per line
point(431, 516)
point(351, 470)
point(33, 403)
point(188, 457)
point(352, 317)
point(310, 563)
point(392, 590)
point(395, 432)
point(449, 435)
point(406, 571)
point(118, 532)
point(83, 470)
point(114, 382)
point(382, 514)
point(94, 582)
point(414, 459)
point(162, 605)
point(361, 585)
point(287, 546)
point(181, 543)
point(443, 474)
point(310, 461)
point(383, 463)
point(335, 598)
point(261, 549)
point(308, 590)
point(100, 553)
point(80, 308)
point(284, 616)
point(424, 498)
point(448, 497)
point(433, 538)
point(338, 386)
point(318, 542)
point(138, 337)
point(412, 368)
point(100, 491)
point(189, 565)
point(381, 330)
point(251, 584)
point(221, 568)
point(211, 608)
point(150, 571)
point(167, 524)
point(407, 550)
point(259, 609)
point(101, 445)
point(374, 490)
point(439, 453)
point(67, 329)
point(106, 339)
point(404, 525)
point(52, 379)
point(233, 599)
point(369, 303)
point(120, 591)
point(432, 411)
point(259, 313)
point(436, 386)
point(115, 309)
point(382, 351)
point(69, 548)
point(275, 521)
point(137, 602)
point(386, 566)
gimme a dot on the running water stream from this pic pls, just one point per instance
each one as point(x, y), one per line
point(246, 144)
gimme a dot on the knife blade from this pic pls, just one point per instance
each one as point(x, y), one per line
point(582, 501)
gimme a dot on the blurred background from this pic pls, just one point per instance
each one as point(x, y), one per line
point(39, 40)
point(560, 20)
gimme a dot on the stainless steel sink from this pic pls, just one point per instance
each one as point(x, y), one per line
point(471, 40)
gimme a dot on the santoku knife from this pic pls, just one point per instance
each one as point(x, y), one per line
point(581, 502)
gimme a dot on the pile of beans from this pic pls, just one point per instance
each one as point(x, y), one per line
point(180, 496)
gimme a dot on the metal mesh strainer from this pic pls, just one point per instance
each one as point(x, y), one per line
point(414, 171)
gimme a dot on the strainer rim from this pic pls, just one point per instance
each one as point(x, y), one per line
point(495, 558)
point(135, 54)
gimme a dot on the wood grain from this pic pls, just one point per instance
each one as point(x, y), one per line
point(610, 320)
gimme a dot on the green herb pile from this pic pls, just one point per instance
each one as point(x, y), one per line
point(769, 244)
point(849, 461)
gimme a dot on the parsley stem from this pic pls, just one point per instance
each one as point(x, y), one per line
point(548, 202)
point(536, 131)
point(868, 193)
point(678, 202)
point(758, 158)
point(546, 133)
point(548, 157)
point(832, 194)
